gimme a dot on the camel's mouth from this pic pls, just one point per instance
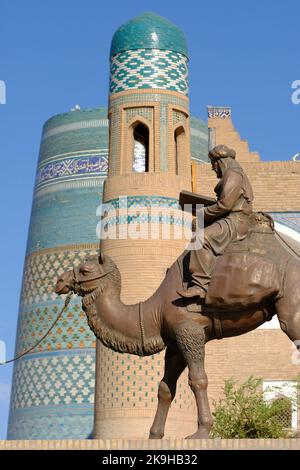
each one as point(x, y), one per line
point(63, 286)
point(62, 290)
point(64, 283)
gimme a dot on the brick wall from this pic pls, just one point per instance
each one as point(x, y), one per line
point(222, 131)
point(154, 444)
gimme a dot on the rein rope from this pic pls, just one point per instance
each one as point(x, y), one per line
point(67, 301)
point(141, 322)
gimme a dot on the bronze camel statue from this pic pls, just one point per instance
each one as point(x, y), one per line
point(183, 327)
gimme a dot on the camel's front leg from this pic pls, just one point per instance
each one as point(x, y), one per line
point(191, 342)
point(174, 366)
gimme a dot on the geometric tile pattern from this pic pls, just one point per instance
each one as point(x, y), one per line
point(136, 210)
point(53, 396)
point(54, 379)
point(41, 270)
point(150, 96)
point(145, 201)
point(70, 332)
point(214, 112)
point(146, 217)
point(145, 112)
point(149, 68)
point(178, 117)
point(39, 305)
point(132, 381)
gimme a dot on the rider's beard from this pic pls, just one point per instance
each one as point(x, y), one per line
point(224, 164)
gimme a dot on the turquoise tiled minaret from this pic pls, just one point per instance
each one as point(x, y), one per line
point(53, 386)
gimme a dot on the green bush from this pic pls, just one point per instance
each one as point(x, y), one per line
point(244, 413)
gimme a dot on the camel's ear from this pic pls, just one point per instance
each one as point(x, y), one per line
point(101, 258)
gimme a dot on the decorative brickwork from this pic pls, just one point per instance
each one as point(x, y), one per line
point(146, 68)
point(218, 112)
point(53, 396)
point(222, 131)
point(134, 113)
point(178, 117)
point(161, 129)
point(69, 379)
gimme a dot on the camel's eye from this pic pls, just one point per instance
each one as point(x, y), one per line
point(84, 271)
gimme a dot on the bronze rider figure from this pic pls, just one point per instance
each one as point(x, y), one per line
point(225, 221)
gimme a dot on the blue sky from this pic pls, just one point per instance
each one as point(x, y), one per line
point(54, 55)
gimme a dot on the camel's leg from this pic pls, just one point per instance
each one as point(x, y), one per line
point(191, 342)
point(288, 307)
point(174, 366)
point(289, 319)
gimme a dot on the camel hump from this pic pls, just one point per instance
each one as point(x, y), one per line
point(242, 280)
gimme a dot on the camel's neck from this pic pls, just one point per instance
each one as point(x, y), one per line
point(134, 329)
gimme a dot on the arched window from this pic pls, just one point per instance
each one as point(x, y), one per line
point(140, 162)
point(180, 147)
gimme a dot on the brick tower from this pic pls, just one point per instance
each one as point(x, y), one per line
point(149, 163)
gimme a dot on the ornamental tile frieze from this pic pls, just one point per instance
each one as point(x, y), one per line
point(90, 165)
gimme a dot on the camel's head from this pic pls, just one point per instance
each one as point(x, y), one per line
point(86, 277)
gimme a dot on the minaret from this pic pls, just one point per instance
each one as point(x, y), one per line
point(149, 164)
point(53, 386)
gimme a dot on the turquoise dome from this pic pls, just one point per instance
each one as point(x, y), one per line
point(148, 31)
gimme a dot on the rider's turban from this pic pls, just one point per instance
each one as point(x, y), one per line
point(221, 151)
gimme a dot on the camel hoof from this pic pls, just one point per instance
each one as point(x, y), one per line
point(155, 436)
point(200, 434)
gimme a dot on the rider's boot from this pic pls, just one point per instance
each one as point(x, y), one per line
point(194, 291)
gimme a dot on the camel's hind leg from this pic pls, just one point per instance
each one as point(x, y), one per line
point(289, 318)
point(190, 338)
point(174, 366)
point(288, 307)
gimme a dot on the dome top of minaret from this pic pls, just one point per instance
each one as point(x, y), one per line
point(148, 31)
